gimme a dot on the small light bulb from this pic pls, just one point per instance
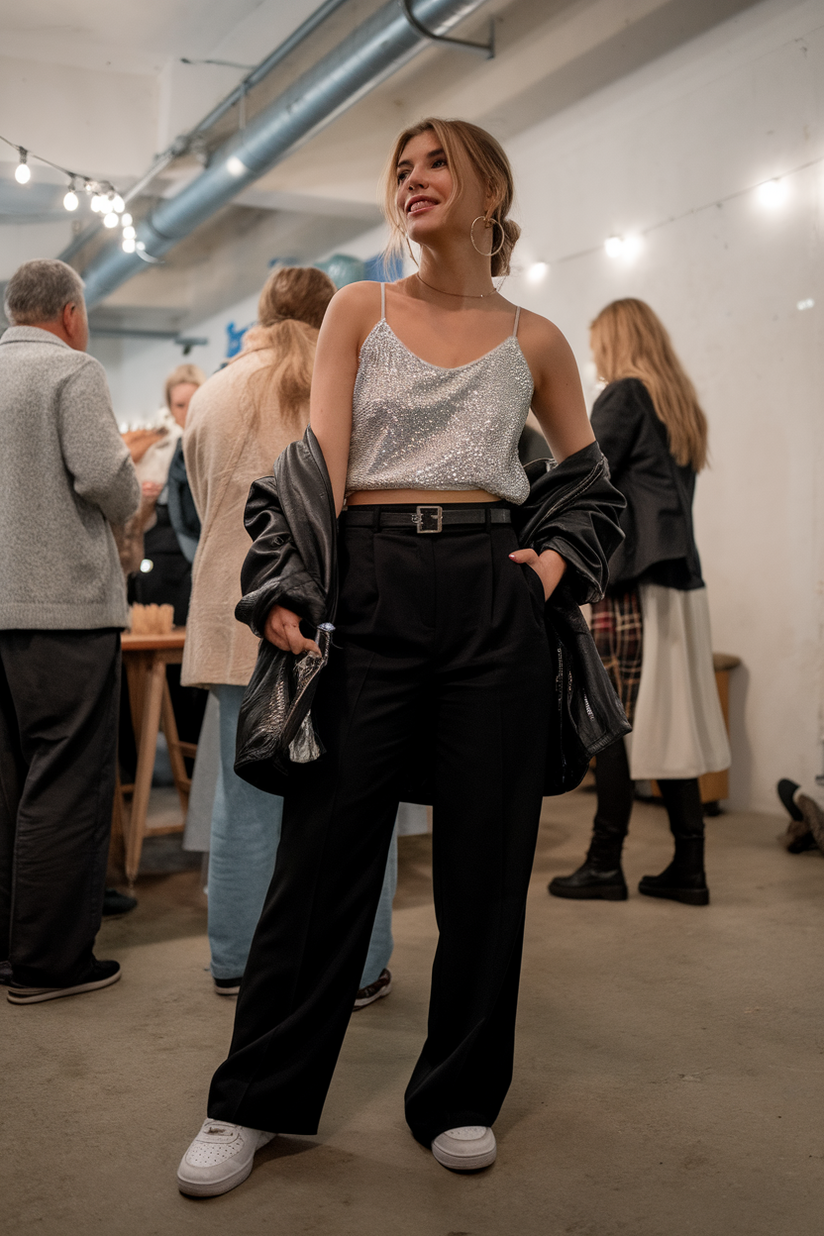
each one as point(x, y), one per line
point(614, 246)
point(146, 566)
point(809, 303)
point(111, 220)
point(128, 244)
point(98, 203)
point(772, 193)
point(71, 200)
point(129, 233)
point(118, 204)
point(631, 246)
point(537, 271)
point(140, 246)
point(235, 166)
point(22, 173)
point(126, 220)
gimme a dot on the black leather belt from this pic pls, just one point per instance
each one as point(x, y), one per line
point(426, 518)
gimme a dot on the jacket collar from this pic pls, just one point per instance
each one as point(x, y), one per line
point(31, 334)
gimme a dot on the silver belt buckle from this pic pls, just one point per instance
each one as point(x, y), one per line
point(428, 518)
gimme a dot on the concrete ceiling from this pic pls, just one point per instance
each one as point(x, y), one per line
point(550, 54)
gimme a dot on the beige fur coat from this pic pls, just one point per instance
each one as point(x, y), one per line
point(225, 450)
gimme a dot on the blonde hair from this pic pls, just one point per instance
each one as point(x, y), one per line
point(630, 341)
point(290, 311)
point(469, 149)
point(183, 375)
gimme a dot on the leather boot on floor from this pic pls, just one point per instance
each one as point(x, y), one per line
point(591, 883)
point(684, 880)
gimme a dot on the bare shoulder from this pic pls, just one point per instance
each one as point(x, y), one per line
point(538, 333)
point(353, 310)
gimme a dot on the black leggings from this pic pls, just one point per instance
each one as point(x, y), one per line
point(682, 799)
point(441, 665)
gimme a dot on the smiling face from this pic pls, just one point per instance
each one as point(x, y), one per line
point(427, 196)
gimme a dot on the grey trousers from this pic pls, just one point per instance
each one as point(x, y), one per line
point(58, 746)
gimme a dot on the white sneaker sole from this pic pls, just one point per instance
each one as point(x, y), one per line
point(379, 995)
point(37, 995)
point(464, 1162)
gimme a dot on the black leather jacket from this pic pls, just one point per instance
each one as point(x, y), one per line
point(290, 516)
point(660, 545)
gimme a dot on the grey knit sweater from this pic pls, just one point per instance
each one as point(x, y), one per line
point(65, 476)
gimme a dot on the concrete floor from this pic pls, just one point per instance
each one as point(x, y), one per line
point(668, 1074)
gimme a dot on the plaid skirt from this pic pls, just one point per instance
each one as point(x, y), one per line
point(618, 630)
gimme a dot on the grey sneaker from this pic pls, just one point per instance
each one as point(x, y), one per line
point(219, 1159)
point(467, 1149)
point(375, 991)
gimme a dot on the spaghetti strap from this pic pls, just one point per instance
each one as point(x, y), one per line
point(517, 319)
point(383, 302)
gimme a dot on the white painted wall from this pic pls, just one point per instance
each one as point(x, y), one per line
point(735, 107)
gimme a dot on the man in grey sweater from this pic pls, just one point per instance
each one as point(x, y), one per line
point(65, 478)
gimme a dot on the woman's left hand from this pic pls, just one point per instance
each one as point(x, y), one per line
point(549, 566)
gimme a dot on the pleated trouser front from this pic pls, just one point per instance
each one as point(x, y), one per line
point(441, 662)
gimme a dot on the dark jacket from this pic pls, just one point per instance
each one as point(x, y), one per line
point(572, 508)
point(659, 545)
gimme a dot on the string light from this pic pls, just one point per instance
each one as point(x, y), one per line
point(537, 271)
point(126, 220)
point(772, 193)
point(22, 173)
point(105, 198)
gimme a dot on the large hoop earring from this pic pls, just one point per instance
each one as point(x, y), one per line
point(487, 223)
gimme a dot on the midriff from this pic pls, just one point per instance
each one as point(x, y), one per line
point(419, 497)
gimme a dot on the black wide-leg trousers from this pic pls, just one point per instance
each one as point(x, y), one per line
point(440, 663)
point(59, 694)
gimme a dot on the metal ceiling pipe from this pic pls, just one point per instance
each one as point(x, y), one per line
point(375, 50)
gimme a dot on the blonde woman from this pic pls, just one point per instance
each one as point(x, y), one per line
point(238, 423)
point(652, 628)
point(441, 668)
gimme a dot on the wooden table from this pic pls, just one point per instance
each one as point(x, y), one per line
point(145, 658)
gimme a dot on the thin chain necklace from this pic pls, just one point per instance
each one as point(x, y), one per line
point(464, 295)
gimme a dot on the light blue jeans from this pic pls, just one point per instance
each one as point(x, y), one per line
point(244, 844)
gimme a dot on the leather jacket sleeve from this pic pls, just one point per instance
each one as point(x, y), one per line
point(292, 561)
point(574, 509)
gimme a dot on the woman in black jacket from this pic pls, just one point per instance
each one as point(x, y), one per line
point(652, 627)
point(440, 657)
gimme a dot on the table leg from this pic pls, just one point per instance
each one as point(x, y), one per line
point(182, 782)
point(146, 748)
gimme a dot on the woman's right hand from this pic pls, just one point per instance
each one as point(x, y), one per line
point(283, 630)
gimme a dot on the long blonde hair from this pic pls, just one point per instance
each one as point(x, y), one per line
point(467, 148)
point(290, 311)
point(629, 341)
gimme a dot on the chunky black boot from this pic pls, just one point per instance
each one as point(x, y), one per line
point(684, 880)
point(590, 883)
point(601, 878)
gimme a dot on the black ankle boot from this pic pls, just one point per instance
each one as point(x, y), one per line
point(684, 880)
point(591, 883)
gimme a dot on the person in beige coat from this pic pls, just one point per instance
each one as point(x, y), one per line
point(239, 421)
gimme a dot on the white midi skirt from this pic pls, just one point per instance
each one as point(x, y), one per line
point(678, 729)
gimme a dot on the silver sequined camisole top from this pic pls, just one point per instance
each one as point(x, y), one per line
point(420, 426)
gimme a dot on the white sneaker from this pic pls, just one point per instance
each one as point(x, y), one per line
point(219, 1158)
point(467, 1149)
